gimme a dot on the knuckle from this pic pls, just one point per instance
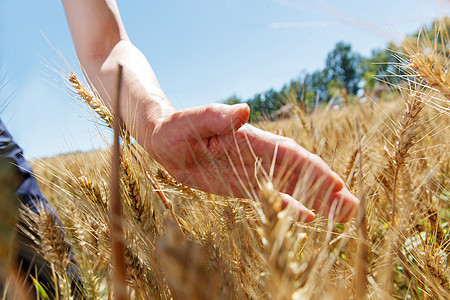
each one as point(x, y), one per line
point(210, 108)
point(289, 142)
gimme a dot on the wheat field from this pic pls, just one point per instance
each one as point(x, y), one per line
point(181, 243)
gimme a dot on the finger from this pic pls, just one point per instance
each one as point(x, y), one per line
point(302, 174)
point(211, 120)
point(296, 210)
point(302, 184)
point(290, 159)
point(348, 205)
point(341, 206)
point(314, 173)
point(320, 206)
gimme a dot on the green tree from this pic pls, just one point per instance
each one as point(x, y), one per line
point(291, 93)
point(273, 101)
point(315, 87)
point(344, 66)
point(381, 67)
point(233, 100)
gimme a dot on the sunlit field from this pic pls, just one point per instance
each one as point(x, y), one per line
point(392, 149)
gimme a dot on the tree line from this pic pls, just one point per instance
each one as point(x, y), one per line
point(346, 75)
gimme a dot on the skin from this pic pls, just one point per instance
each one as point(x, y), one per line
point(209, 147)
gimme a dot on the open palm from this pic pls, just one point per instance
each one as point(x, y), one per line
point(211, 149)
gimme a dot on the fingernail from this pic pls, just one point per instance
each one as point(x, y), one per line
point(239, 106)
point(242, 110)
point(307, 217)
point(339, 183)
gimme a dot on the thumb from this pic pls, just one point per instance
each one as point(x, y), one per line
point(217, 119)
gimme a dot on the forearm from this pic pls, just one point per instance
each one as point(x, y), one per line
point(143, 103)
point(102, 44)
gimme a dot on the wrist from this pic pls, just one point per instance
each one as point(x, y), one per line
point(150, 124)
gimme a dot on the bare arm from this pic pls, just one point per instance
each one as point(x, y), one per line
point(101, 43)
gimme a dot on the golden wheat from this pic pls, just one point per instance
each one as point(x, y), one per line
point(181, 243)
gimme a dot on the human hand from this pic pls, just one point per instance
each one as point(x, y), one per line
point(211, 149)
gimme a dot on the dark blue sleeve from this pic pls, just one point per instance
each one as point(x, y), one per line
point(29, 192)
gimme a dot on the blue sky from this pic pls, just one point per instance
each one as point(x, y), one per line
point(202, 51)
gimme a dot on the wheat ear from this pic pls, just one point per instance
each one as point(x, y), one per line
point(92, 191)
point(90, 99)
point(432, 72)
